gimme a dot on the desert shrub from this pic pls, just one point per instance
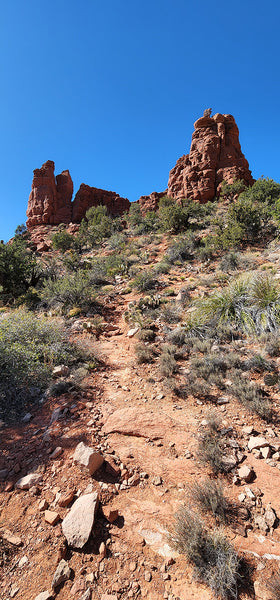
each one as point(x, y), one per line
point(177, 336)
point(146, 335)
point(273, 345)
point(30, 347)
point(252, 397)
point(173, 217)
point(144, 281)
point(97, 226)
point(168, 364)
point(162, 267)
point(264, 190)
point(257, 363)
point(144, 354)
point(215, 561)
point(230, 262)
point(230, 191)
point(19, 269)
point(183, 249)
point(250, 303)
point(62, 240)
point(171, 313)
point(117, 241)
point(211, 448)
point(71, 291)
point(209, 497)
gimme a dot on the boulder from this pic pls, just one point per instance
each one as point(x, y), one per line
point(246, 473)
point(87, 457)
point(77, 525)
point(88, 196)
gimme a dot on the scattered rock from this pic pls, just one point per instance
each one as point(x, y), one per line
point(51, 517)
point(60, 371)
point(132, 332)
point(44, 596)
point(86, 595)
point(87, 457)
point(270, 516)
point(266, 452)
point(257, 442)
point(25, 483)
point(62, 573)
point(77, 525)
point(66, 498)
point(109, 514)
point(246, 473)
point(57, 452)
point(14, 590)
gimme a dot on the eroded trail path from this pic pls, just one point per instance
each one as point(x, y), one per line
point(148, 439)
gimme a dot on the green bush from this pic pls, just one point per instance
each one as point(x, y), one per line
point(215, 561)
point(144, 281)
point(62, 240)
point(18, 269)
point(71, 291)
point(30, 347)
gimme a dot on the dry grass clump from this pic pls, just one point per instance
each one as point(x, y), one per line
point(209, 497)
point(168, 364)
point(215, 561)
point(252, 397)
point(211, 447)
point(144, 354)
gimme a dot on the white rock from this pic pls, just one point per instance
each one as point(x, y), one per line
point(60, 371)
point(44, 596)
point(246, 473)
point(78, 524)
point(266, 452)
point(23, 561)
point(257, 442)
point(28, 481)
point(87, 457)
point(132, 332)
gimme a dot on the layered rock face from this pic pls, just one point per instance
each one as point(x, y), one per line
point(50, 200)
point(215, 155)
point(148, 203)
point(87, 197)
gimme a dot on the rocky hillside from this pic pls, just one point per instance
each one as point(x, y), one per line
point(140, 391)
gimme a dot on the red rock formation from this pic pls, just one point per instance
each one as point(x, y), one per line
point(50, 199)
point(87, 197)
point(150, 202)
point(215, 155)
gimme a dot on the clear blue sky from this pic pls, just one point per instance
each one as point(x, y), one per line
point(110, 89)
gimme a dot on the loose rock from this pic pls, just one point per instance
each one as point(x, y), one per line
point(77, 525)
point(87, 457)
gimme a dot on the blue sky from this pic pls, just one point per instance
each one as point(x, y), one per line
point(110, 90)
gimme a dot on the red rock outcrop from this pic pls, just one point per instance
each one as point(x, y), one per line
point(148, 203)
point(215, 155)
point(87, 197)
point(50, 200)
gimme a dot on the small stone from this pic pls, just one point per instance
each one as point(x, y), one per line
point(257, 442)
point(102, 550)
point(77, 525)
point(147, 576)
point(270, 516)
point(43, 505)
point(109, 514)
point(23, 561)
point(12, 539)
point(132, 566)
point(57, 452)
point(62, 573)
point(246, 473)
point(44, 596)
point(157, 480)
point(51, 517)
point(248, 429)
point(27, 418)
point(241, 497)
point(260, 523)
point(87, 457)
point(276, 456)
point(132, 332)
point(60, 371)
point(249, 493)
point(25, 483)
point(86, 595)
point(66, 498)
point(266, 452)
point(14, 590)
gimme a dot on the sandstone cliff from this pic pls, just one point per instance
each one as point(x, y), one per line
point(50, 200)
point(215, 155)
